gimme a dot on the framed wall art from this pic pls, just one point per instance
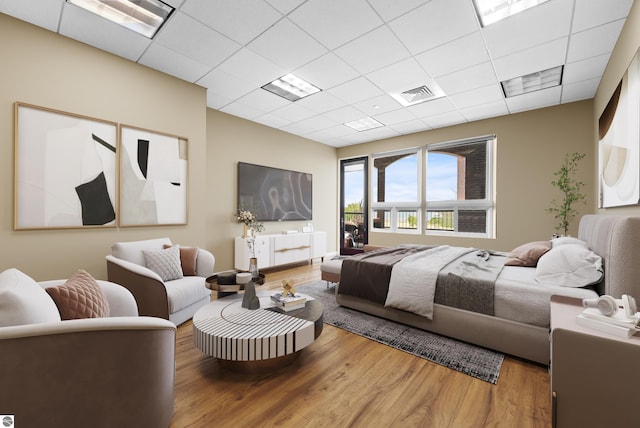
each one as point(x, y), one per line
point(619, 142)
point(65, 170)
point(153, 178)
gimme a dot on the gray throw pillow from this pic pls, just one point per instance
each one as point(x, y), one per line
point(166, 263)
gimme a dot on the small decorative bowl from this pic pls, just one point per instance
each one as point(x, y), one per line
point(243, 278)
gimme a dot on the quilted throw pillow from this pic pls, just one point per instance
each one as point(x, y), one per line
point(80, 297)
point(166, 263)
point(528, 254)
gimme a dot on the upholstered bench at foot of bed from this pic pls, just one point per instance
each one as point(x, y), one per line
point(331, 270)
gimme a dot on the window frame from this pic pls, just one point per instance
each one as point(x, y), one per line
point(487, 204)
point(395, 207)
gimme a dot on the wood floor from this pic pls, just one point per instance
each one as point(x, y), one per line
point(344, 380)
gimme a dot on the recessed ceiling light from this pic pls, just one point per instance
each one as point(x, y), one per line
point(291, 87)
point(142, 16)
point(492, 11)
point(533, 82)
point(364, 124)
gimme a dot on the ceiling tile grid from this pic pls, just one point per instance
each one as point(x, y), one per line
point(358, 53)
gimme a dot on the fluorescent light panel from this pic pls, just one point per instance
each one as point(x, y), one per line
point(533, 82)
point(364, 124)
point(291, 87)
point(492, 11)
point(142, 16)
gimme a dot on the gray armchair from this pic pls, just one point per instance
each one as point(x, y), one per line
point(99, 372)
point(176, 300)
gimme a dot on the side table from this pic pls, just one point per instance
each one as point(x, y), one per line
point(594, 377)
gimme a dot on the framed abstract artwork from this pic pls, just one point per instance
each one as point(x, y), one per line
point(65, 170)
point(619, 142)
point(153, 178)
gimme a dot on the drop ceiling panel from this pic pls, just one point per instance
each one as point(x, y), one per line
point(377, 105)
point(593, 42)
point(395, 116)
point(263, 100)
point(225, 84)
point(410, 127)
point(467, 79)
point(294, 112)
point(538, 58)
point(479, 112)
point(590, 14)
point(81, 25)
point(389, 10)
point(445, 119)
point(195, 40)
point(161, 58)
point(583, 90)
point(335, 22)
point(326, 72)
point(345, 114)
point(431, 108)
point(479, 96)
point(435, 23)
point(534, 100)
point(241, 20)
point(43, 13)
point(535, 26)
point(456, 55)
point(399, 77)
point(252, 68)
point(587, 69)
point(242, 110)
point(285, 6)
point(358, 55)
point(321, 102)
point(287, 46)
point(356, 90)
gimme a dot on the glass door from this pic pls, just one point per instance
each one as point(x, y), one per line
point(354, 205)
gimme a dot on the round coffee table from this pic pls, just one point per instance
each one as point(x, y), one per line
point(224, 329)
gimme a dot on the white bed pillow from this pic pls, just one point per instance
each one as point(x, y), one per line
point(569, 265)
point(568, 240)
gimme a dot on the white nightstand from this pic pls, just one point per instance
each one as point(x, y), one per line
point(595, 377)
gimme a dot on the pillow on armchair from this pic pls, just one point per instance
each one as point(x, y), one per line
point(23, 301)
point(166, 263)
point(80, 297)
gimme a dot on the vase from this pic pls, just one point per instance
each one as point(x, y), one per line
point(247, 232)
point(253, 269)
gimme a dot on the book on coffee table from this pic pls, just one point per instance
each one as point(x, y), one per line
point(289, 303)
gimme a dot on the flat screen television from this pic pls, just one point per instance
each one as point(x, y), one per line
point(274, 194)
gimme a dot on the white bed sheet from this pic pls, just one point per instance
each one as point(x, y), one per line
point(519, 297)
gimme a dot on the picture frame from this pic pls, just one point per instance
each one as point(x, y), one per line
point(619, 142)
point(64, 170)
point(153, 186)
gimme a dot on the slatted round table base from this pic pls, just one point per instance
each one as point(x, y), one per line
point(263, 337)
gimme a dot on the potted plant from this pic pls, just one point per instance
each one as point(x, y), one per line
point(571, 188)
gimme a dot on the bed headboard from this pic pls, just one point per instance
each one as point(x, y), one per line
point(616, 238)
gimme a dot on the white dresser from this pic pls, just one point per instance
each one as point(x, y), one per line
point(281, 249)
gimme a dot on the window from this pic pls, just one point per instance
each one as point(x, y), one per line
point(396, 191)
point(459, 187)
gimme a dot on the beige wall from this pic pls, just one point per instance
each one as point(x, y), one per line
point(626, 47)
point(231, 140)
point(44, 69)
point(530, 148)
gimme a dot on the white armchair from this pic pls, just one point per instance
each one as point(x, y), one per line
point(103, 372)
point(177, 299)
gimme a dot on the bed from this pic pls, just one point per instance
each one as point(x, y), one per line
point(518, 323)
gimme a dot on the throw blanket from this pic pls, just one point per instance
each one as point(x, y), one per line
point(412, 286)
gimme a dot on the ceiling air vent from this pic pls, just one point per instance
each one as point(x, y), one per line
point(419, 95)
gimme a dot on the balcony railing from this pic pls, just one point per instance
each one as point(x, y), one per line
point(440, 220)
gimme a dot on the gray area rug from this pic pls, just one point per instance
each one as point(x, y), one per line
point(469, 359)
